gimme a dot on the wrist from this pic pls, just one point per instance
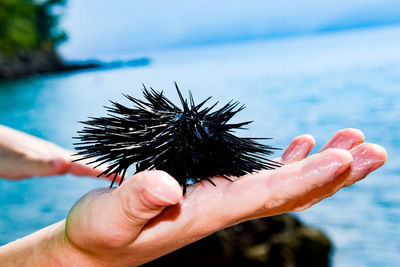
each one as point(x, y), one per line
point(46, 247)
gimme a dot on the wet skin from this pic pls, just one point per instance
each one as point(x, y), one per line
point(147, 216)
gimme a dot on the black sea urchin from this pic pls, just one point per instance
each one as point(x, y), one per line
point(191, 144)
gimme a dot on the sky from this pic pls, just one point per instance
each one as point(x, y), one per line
point(102, 29)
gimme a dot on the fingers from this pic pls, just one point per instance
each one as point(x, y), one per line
point(298, 149)
point(367, 158)
point(64, 163)
point(19, 167)
point(345, 139)
point(114, 218)
point(81, 169)
point(284, 189)
point(299, 185)
point(301, 146)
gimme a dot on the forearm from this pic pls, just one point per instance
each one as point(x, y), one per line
point(46, 247)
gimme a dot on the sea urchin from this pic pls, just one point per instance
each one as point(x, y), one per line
point(192, 143)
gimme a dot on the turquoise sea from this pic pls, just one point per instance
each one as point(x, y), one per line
point(313, 84)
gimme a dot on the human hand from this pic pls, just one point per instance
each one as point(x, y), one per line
point(23, 156)
point(147, 217)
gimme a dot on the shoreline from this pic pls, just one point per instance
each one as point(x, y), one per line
point(40, 62)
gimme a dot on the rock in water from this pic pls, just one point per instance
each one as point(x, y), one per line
point(275, 241)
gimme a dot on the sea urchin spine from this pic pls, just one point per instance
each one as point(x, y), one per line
point(192, 143)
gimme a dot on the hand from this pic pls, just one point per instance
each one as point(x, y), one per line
point(147, 216)
point(23, 156)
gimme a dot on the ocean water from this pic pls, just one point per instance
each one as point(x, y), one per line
point(311, 84)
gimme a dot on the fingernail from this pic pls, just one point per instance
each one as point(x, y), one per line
point(345, 139)
point(369, 157)
point(301, 149)
point(287, 153)
point(341, 164)
point(161, 194)
point(153, 201)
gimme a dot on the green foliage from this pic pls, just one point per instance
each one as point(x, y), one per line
point(28, 25)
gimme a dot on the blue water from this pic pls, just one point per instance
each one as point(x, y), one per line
point(312, 84)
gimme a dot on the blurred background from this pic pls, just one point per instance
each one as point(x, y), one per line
point(299, 67)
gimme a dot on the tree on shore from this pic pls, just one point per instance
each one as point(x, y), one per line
point(28, 25)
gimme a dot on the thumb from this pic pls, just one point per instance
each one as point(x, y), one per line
point(144, 196)
point(115, 217)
